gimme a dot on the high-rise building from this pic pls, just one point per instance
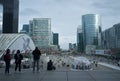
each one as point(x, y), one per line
point(72, 46)
point(55, 39)
point(111, 37)
point(10, 15)
point(80, 46)
point(1, 15)
point(0, 28)
point(91, 26)
point(40, 31)
point(25, 29)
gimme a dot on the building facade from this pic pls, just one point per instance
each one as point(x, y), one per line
point(1, 16)
point(80, 46)
point(91, 26)
point(10, 16)
point(0, 28)
point(25, 29)
point(55, 39)
point(72, 46)
point(40, 31)
point(111, 37)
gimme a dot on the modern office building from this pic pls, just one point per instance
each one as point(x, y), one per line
point(55, 39)
point(111, 37)
point(10, 15)
point(72, 46)
point(91, 26)
point(25, 29)
point(80, 46)
point(40, 31)
point(1, 15)
point(0, 28)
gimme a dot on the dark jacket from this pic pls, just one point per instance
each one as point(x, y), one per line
point(7, 57)
point(36, 54)
point(18, 58)
point(50, 65)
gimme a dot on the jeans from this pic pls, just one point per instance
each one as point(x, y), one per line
point(34, 64)
point(18, 65)
point(7, 67)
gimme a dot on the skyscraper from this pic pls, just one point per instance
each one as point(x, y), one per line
point(91, 26)
point(40, 31)
point(55, 39)
point(25, 29)
point(0, 28)
point(10, 15)
point(111, 37)
point(80, 46)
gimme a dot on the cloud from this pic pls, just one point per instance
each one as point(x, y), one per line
point(66, 14)
point(65, 40)
point(108, 7)
point(29, 11)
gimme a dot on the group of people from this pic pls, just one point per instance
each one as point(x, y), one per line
point(19, 57)
point(36, 57)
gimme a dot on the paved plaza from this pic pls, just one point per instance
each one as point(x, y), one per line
point(103, 72)
point(100, 74)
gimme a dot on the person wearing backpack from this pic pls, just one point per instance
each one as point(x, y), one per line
point(7, 59)
point(18, 58)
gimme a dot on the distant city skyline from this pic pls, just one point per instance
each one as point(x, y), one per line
point(66, 15)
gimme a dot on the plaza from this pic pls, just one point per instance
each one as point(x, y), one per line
point(104, 72)
point(28, 75)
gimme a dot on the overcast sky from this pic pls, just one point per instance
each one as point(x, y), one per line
point(66, 15)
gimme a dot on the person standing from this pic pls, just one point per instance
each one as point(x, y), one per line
point(7, 59)
point(36, 57)
point(18, 58)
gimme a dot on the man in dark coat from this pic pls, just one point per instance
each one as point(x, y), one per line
point(18, 58)
point(36, 57)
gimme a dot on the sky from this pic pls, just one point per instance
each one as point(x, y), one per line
point(66, 15)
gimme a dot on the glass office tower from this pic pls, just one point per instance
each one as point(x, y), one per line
point(80, 46)
point(40, 31)
point(91, 26)
point(10, 15)
point(55, 39)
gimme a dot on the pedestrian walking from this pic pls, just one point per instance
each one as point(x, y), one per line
point(7, 59)
point(36, 57)
point(18, 58)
